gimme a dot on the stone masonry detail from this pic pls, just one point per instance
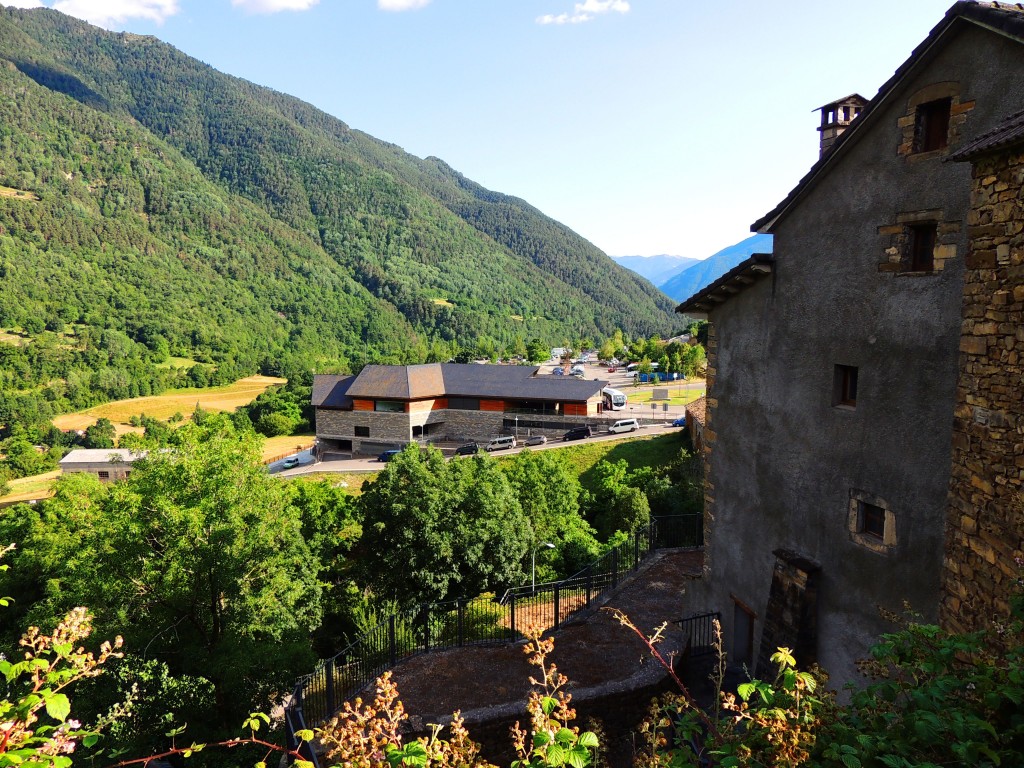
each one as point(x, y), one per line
point(985, 524)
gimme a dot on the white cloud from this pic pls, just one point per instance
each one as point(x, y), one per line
point(111, 13)
point(585, 11)
point(273, 6)
point(23, 3)
point(401, 5)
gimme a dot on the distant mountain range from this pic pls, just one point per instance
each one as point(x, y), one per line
point(657, 269)
point(703, 273)
point(691, 275)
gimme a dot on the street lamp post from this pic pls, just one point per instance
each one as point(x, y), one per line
point(517, 427)
point(533, 564)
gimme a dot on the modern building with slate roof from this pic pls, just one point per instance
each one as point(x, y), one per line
point(389, 406)
point(865, 404)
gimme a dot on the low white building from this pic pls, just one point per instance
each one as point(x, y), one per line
point(108, 464)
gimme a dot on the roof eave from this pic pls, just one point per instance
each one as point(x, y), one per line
point(728, 285)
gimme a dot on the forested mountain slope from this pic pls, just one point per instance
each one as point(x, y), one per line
point(382, 214)
point(150, 205)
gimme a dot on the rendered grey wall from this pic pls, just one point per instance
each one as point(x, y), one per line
point(785, 460)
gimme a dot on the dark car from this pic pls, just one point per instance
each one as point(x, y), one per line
point(578, 433)
point(469, 449)
point(388, 455)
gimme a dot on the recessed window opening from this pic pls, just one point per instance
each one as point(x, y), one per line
point(931, 125)
point(922, 246)
point(872, 520)
point(362, 431)
point(844, 388)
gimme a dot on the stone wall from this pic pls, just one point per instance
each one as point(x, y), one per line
point(791, 620)
point(985, 526)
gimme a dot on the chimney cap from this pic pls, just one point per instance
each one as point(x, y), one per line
point(853, 98)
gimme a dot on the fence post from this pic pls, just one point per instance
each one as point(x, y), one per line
point(512, 616)
point(636, 550)
point(329, 687)
point(391, 640)
point(589, 582)
point(557, 584)
point(615, 567)
point(460, 629)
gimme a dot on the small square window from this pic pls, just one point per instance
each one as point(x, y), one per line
point(844, 386)
point(871, 520)
point(872, 524)
point(104, 475)
point(931, 125)
point(921, 246)
point(362, 431)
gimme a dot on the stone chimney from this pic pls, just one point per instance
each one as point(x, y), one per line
point(836, 116)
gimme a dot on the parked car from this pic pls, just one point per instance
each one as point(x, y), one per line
point(291, 461)
point(558, 371)
point(535, 440)
point(500, 443)
point(577, 433)
point(680, 422)
point(388, 455)
point(611, 369)
point(624, 425)
point(469, 449)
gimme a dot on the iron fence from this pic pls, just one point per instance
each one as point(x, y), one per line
point(479, 621)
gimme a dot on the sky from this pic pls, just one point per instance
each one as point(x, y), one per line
point(647, 126)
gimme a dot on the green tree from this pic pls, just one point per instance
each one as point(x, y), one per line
point(434, 530)
point(197, 559)
point(101, 434)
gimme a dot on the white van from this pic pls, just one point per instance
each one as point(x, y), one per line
point(625, 425)
point(501, 443)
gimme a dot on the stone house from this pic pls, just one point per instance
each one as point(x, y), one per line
point(108, 464)
point(835, 366)
point(388, 406)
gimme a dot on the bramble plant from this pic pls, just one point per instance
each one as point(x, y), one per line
point(36, 730)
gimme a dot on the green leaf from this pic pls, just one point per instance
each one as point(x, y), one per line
point(745, 689)
point(556, 755)
point(541, 739)
point(850, 761)
point(577, 757)
point(90, 739)
point(304, 735)
point(565, 736)
point(58, 706)
point(588, 740)
point(548, 704)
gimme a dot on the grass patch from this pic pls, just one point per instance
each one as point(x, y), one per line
point(285, 445)
point(13, 339)
point(177, 362)
point(443, 303)
point(20, 194)
point(353, 481)
point(677, 396)
point(183, 401)
point(28, 488)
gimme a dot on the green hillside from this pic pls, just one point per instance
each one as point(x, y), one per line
point(150, 205)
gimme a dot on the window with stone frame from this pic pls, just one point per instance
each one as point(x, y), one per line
point(871, 522)
point(921, 240)
point(362, 431)
point(931, 125)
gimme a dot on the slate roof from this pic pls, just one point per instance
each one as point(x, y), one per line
point(330, 391)
point(100, 455)
point(1006, 134)
point(1003, 18)
point(732, 282)
point(513, 382)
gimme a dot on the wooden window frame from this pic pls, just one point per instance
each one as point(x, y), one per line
point(931, 125)
point(921, 240)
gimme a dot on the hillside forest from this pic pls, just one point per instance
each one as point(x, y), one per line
point(154, 210)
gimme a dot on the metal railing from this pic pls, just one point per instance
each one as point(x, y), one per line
point(480, 621)
point(699, 630)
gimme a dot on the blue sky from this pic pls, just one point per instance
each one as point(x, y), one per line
point(648, 126)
